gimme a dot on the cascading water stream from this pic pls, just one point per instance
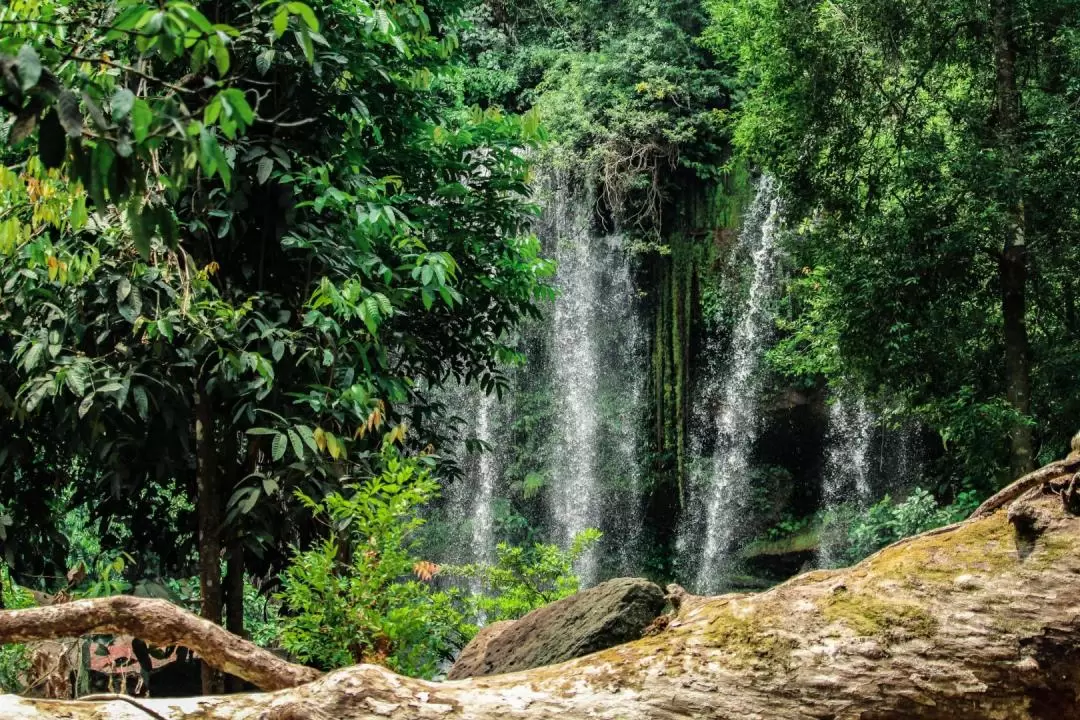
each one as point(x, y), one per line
point(846, 476)
point(721, 495)
point(598, 373)
point(483, 523)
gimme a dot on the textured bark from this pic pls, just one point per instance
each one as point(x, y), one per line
point(209, 513)
point(980, 620)
point(160, 623)
point(1013, 265)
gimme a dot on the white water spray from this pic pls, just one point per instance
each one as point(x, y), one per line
point(846, 476)
point(483, 522)
point(721, 494)
point(598, 373)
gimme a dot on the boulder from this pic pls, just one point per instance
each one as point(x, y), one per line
point(612, 613)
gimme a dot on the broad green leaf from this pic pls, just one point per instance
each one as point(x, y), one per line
point(85, 405)
point(264, 60)
point(304, 40)
point(297, 444)
point(281, 22)
point(277, 448)
point(142, 119)
point(308, 436)
point(142, 402)
point(238, 102)
point(33, 357)
point(306, 13)
point(262, 173)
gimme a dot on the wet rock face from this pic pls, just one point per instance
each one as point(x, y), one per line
point(609, 614)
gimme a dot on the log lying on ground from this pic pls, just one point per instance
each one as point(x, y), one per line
point(160, 623)
point(981, 620)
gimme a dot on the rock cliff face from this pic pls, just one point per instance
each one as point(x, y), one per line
point(979, 621)
point(607, 615)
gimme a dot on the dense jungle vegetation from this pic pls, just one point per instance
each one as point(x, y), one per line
point(246, 246)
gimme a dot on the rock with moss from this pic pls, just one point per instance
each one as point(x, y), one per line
point(612, 613)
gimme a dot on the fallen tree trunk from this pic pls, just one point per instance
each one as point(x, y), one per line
point(981, 620)
point(160, 623)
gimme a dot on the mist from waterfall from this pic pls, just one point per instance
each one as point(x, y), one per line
point(580, 398)
point(848, 460)
point(483, 516)
point(718, 492)
point(597, 357)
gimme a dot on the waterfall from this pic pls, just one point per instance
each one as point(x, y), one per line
point(483, 523)
point(598, 371)
point(718, 493)
point(846, 476)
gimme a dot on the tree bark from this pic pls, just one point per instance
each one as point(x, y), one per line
point(979, 620)
point(160, 623)
point(1013, 271)
point(210, 521)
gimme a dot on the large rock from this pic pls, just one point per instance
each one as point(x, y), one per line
point(607, 615)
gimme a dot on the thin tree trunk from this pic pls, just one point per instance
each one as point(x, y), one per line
point(1013, 267)
point(234, 551)
point(209, 512)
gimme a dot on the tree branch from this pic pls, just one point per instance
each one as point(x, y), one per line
point(160, 623)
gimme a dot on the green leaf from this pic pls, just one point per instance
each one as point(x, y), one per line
point(142, 119)
point(76, 379)
point(33, 357)
point(306, 13)
point(277, 350)
point(308, 437)
point(123, 289)
point(277, 449)
point(123, 100)
point(221, 55)
point(140, 232)
point(264, 60)
point(261, 431)
point(281, 22)
point(29, 67)
point(240, 106)
point(165, 328)
point(85, 405)
point(131, 309)
point(142, 402)
point(297, 444)
point(262, 173)
point(304, 39)
point(208, 152)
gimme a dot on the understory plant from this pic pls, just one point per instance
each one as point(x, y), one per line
point(14, 659)
point(523, 579)
point(887, 521)
point(363, 594)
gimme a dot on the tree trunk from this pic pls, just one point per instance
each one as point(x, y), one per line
point(1013, 266)
point(978, 620)
point(234, 552)
point(210, 522)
